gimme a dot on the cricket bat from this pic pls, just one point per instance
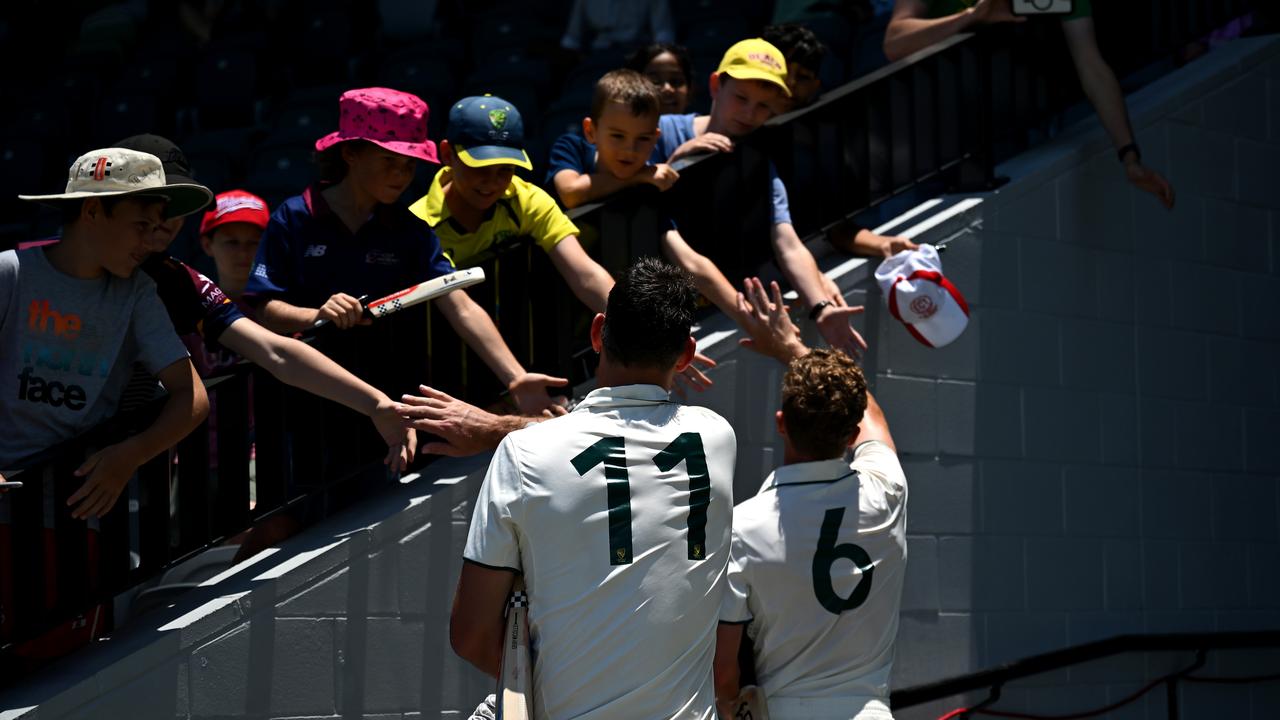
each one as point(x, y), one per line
point(515, 681)
point(420, 293)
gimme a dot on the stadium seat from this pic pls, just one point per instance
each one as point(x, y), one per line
point(404, 20)
point(320, 48)
point(218, 157)
point(421, 72)
point(281, 167)
point(712, 36)
point(226, 88)
point(120, 115)
point(307, 114)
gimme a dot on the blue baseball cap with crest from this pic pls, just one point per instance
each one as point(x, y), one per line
point(487, 130)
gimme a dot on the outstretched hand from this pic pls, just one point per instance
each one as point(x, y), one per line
point(834, 325)
point(693, 377)
point(463, 428)
point(767, 323)
point(995, 11)
point(530, 394)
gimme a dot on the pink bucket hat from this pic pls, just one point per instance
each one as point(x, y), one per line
point(387, 118)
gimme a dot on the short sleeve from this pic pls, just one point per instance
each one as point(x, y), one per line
point(273, 270)
point(778, 197)
point(493, 540)
point(571, 151)
point(543, 220)
point(876, 462)
point(158, 344)
point(734, 603)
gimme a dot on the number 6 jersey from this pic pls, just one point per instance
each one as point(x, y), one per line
point(817, 565)
point(618, 515)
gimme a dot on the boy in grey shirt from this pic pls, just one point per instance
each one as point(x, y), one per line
point(75, 316)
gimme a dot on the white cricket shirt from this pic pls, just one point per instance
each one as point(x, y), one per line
point(817, 566)
point(618, 514)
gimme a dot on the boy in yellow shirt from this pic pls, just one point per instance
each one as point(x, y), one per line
point(476, 202)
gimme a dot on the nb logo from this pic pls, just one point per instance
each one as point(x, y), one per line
point(315, 251)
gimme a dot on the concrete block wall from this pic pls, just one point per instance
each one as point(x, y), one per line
point(1095, 456)
point(1098, 455)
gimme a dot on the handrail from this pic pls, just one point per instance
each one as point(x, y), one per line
point(1088, 652)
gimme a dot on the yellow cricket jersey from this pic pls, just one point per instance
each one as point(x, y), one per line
point(524, 210)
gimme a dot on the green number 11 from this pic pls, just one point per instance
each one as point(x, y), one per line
point(611, 451)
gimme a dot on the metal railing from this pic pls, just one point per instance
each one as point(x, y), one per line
point(994, 680)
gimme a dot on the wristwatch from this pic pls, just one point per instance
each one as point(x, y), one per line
point(816, 310)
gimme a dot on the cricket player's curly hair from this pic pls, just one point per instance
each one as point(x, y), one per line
point(824, 395)
point(649, 314)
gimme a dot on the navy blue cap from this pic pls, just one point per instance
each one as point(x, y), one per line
point(487, 130)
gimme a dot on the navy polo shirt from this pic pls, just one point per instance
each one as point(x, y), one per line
point(307, 254)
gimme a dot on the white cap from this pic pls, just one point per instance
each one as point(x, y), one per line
point(933, 310)
point(117, 171)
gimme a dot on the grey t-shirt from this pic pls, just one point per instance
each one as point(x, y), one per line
point(67, 346)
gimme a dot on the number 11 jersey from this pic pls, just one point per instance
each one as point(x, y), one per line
point(618, 515)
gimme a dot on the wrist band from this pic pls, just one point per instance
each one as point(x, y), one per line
point(1125, 151)
point(817, 308)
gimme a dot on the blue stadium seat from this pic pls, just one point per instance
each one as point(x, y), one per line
point(712, 36)
point(226, 90)
point(421, 72)
point(281, 168)
point(121, 115)
point(218, 158)
point(307, 114)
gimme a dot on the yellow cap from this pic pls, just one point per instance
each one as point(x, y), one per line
point(755, 59)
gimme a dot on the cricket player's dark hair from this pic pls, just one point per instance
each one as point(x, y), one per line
point(798, 45)
point(649, 314)
point(824, 395)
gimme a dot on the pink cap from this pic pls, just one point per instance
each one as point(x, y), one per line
point(387, 118)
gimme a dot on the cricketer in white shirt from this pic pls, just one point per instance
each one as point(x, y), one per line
point(618, 515)
point(819, 556)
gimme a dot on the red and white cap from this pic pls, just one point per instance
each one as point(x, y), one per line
point(236, 206)
point(933, 310)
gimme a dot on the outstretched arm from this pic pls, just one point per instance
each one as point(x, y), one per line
point(298, 364)
point(589, 282)
point(341, 309)
point(811, 285)
point(910, 31)
point(477, 330)
point(463, 428)
point(706, 276)
point(1104, 93)
point(874, 426)
point(861, 241)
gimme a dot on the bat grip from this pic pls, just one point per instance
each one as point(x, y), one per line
point(362, 299)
